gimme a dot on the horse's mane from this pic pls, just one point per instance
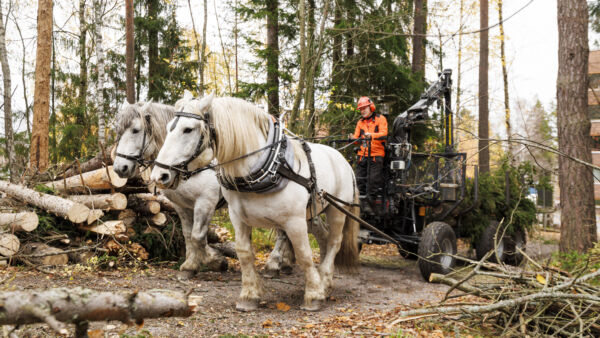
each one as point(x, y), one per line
point(238, 127)
point(160, 115)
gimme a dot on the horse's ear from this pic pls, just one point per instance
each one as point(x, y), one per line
point(206, 101)
point(124, 105)
point(146, 105)
point(187, 95)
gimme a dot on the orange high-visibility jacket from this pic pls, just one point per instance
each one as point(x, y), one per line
point(376, 124)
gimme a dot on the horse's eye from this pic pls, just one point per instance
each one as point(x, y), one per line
point(187, 130)
point(135, 131)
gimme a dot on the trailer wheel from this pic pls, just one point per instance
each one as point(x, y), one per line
point(408, 250)
point(437, 249)
point(487, 243)
point(517, 240)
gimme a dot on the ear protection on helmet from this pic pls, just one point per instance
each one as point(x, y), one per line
point(365, 101)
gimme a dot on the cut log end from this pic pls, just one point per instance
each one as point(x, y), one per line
point(9, 245)
point(78, 213)
point(159, 219)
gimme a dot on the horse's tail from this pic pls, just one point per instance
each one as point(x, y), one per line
point(347, 257)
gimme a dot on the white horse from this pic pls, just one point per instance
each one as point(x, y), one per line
point(141, 131)
point(238, 128)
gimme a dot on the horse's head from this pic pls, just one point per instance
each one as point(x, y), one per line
point(188, 142)
point(134, 134)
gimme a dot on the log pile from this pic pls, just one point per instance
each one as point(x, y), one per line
point(536, 300)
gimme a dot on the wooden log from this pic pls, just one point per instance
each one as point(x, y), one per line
point(96, 162)
point(94, 215)
point(144, 207)
point(82, 257)
point(106, 228)
point(116, 201)
point(79, 305)
point(99, 179)
point(42, 249)
point(20, 221)
point(9, 245)
point(159, 219)
point(127, 216)
point(73, 211)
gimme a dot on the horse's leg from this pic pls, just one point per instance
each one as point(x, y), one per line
point(281, 258)
point(321, 233)
point(211, 257)
point(186, 216)
point(335, 219)
point(314, 292)
point(251, 281)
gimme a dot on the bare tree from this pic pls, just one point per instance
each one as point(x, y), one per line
point(130, 55)
point(23, 73)
point(225, 54)
point(102, 97)
point(505, 78)
point(578, 224)
point(484, 150)
point(38, 152)
point(8, 128)
point(303, 61)
point(197, 43)
point(272, 7)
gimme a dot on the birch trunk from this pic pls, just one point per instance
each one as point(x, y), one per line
point(99, 179)
point(505, 78)
point(78, 305)
point(484, 129)
point(102, 97)
point(8, 128)
point(74, 212)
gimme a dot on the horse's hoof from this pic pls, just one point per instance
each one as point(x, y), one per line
point(270, 273)
point(186, 274)
point(218, 265)
point(246, 305)
point(314, 305)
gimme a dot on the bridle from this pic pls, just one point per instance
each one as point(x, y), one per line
point(181, 168)
point(139, 159)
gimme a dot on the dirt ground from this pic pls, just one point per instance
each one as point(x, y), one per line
point(363, 304)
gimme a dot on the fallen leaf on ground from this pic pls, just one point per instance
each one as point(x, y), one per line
point(281, 306)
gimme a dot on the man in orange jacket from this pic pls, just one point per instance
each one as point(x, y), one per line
point(371, 127)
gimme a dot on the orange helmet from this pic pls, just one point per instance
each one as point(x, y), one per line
point(365, 101)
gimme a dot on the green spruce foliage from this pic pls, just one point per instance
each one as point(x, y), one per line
point(518, 213)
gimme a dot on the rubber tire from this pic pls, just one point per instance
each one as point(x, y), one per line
point(409, 251)
point(514, 257)
point(429, 249)
point(486, 243)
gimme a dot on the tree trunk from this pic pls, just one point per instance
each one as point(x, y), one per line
point(578, 224)
point(350, 22)
point(225, 54)
point(484, 133)
point(130, 51)
point(203, 51)
point(419, 31)
point(197, 43)
point(8, 127)
point(235, 38)
point(78, 305)
point(153, 11)
point(74, 212)
point(20, 221)
point(303, 63)
point(115, 201)
point(102, 96)
point(81, 115)
point(23, 74)
point(55, 257)
point(336, 53)
point(505, 78)
point(38, 151)
point(459, 65)
point(273, 56)
point(99, 179)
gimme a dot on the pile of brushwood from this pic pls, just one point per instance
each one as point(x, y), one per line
point(534, 299)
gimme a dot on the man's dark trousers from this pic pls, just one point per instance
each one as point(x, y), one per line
point(375, 174)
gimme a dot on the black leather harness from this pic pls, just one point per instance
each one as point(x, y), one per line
point(139, 159)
